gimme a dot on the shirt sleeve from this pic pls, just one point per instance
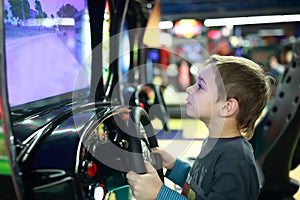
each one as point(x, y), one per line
point(167, 193)
point(179, 172)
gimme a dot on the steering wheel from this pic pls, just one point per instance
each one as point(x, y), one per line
point(141, 141)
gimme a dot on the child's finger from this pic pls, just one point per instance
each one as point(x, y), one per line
point(130, 175)
point(149, 167)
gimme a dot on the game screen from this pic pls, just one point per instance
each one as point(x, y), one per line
point(47, 46)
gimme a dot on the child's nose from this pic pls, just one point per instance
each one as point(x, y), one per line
point(189, 90)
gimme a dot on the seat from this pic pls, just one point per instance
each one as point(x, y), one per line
point(277, 135)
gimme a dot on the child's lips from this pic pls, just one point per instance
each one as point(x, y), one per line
point(187, 102)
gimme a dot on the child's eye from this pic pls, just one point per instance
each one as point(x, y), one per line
point(199, 86)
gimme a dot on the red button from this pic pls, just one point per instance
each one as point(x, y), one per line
point(92, 169)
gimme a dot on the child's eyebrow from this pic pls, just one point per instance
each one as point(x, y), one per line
point(200, 79)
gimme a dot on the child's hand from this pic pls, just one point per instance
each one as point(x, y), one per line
point(168, 159)
point(145, 186)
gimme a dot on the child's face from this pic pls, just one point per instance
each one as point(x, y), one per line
point(203, 95)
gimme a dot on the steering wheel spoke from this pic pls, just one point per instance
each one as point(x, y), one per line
point(142, 139)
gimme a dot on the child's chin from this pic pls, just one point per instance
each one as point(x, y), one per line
point(191, 113)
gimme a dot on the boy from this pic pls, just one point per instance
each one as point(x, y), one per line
point(229, 96)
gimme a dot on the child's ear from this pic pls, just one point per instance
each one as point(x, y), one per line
point(229, 108)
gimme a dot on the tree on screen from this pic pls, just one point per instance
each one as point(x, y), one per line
point(67, 10)
point(6, 14)
point(20, 9)
point(39, 9)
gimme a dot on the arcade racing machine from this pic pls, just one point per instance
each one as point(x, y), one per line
point(66, 135)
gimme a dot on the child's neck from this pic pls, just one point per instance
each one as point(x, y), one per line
point(227, 129)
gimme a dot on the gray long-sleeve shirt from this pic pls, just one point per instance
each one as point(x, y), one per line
point(225, 169)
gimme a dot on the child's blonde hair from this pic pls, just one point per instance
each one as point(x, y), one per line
point(245, 81)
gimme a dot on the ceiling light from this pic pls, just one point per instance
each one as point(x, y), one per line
point(165, 25)
point(251, 20)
